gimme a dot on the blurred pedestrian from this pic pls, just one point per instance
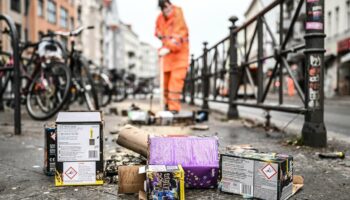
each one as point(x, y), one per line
point(172, 30)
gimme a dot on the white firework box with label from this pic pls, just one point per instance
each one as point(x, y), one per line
point(266, 176)
point(79, 149)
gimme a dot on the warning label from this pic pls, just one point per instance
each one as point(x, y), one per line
point(78, 143)
point(269, 171)
point(71, 173)
point(79, 173)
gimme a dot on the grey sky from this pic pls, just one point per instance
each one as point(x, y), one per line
point(206, 19)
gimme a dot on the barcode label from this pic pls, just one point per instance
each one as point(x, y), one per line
point(246, 189)
point(92, 142)
point(92, 154)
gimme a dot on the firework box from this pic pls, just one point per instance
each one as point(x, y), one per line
point(165, 182)
point(198, 156)
point(130, 181)
point(164, 117)
point(138, 117)
point(50, 149)
point(257, 175)
point(79, 149)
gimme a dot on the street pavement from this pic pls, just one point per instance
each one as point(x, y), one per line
point(21, 160)
point(336, 116)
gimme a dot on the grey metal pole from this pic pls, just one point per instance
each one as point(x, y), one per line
point(314, 131)
point(192, 80)
point(234, 71)
point(260, 83)
point(205, 78)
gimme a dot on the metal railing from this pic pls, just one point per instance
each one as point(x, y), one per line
point(17, 73)
point(224, 72)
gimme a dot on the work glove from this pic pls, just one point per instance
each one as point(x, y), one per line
point(163, 51)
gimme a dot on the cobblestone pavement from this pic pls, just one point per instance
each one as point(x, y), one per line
point(21, 160)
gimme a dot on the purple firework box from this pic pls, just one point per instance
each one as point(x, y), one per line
point(199, 157)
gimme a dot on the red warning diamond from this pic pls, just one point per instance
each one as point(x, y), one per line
point(269, 171)
point(71, 173)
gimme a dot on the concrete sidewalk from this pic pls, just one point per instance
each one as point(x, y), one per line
point(21, 161)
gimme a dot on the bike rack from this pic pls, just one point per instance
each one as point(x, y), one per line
point(17, 72)
point(223, 60)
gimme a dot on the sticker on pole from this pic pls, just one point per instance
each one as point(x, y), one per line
point(269, 171)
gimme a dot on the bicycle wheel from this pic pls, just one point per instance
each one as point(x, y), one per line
point(103, 88)
point(88, 87)
point(48, 91)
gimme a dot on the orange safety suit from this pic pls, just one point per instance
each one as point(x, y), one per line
point(173, 32)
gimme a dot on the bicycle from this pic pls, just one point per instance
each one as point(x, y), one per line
point(45, 79)
point(83, 87)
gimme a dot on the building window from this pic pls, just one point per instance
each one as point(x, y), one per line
point(329, 23)
point(40, 8)
point(16, 5)
point(72, 25)
point(336, 20)
point(26, 35)
point(51, 11)
point(19, 31)
point(27, 4)
point(79, 14)
point(64, 18)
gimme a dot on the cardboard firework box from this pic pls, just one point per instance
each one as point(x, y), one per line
point(258, 175)
point(79, 149)
point(165, 182)
point(50, 149)
point(198, 156)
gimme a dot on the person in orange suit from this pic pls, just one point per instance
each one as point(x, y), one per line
point(172, 30)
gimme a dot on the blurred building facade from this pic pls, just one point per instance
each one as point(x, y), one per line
point(89, 13)
point(34, 18)
point(337, 28)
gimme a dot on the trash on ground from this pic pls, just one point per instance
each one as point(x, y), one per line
point(202, 116)
point(199, 127)
point(241, 148)
point(197, 155)
point(257, 175)
point(164, 118)
point(136, 139)
point(130, 181)
point(113, 110)
point(165, 182)
point(139, 117)
point(298, 183)
point(142, 195)
point(79, 141)
point(332, 155)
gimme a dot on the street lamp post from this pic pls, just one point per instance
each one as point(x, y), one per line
point(314, 131)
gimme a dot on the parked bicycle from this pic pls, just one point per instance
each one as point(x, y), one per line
point(45, 78)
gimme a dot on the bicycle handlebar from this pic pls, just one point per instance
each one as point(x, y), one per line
point(73, 33)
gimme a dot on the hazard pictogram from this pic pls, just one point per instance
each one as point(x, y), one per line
point(71, 173)
point(269, 171)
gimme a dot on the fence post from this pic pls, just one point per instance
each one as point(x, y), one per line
point(192, 82)
point(314, 131)
point(233, 71)
point(260, 82)
point(205, 78)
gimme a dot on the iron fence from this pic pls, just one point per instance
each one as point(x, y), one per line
point(233, 70)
